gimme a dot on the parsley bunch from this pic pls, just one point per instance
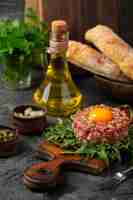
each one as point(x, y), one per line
point(23, 37)
point(62, 134)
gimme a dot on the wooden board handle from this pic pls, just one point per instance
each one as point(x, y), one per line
point(43, 175)
point(48, 174)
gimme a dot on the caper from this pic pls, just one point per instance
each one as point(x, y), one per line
point(6, 135)
point(5, 140)
point(10, 135)
point(2, 139)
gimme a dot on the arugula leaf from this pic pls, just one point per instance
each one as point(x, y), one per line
point(62, 134)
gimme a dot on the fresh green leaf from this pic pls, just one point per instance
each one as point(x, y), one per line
point(62, 134)
point(23, 37)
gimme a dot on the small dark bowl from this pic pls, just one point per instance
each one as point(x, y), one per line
point(8, 148)
point(122, 91)
point(28, 125)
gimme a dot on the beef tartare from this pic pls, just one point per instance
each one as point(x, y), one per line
point(101, 124)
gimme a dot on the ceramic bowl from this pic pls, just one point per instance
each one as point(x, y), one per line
point(122, 91)
point(33, 125)
point(9, 147)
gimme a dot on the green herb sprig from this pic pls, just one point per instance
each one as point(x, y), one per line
point(62, 135)
point(22, 37)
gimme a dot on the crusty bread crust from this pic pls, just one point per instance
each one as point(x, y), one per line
point(90, 59)
point(111, 45)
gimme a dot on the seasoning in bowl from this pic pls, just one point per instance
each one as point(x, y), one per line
point(29, 112)
point(8, 141)
point(29, 119)
point(6, 136)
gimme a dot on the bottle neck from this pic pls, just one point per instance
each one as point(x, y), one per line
point(58, 44)
point(58, 60)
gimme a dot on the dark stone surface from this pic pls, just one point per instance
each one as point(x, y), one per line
point(11, 8)
point(78, 186)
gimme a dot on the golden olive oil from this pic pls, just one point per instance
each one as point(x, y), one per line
point(58, 92)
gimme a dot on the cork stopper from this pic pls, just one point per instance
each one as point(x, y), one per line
point(59, 26)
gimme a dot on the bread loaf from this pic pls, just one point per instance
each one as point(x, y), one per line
point(90, 59)
point(112, 46)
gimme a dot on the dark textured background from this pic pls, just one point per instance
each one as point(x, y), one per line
point(11, 8)
point(78, 186)
point(84, 14)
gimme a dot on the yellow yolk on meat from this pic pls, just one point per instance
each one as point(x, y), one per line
point(100, 114)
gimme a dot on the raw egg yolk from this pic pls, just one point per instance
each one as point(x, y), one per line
point(100, 114)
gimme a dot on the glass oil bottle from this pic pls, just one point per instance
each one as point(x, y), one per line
point(58, 93)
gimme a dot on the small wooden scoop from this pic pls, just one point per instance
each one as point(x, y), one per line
point(50, 173)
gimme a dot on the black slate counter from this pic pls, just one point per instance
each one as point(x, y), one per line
point(78, 186)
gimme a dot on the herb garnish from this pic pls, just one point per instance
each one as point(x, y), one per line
point(62, 134)
point(23, 45)
point(21, 37)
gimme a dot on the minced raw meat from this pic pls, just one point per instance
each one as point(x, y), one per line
point(101, 132)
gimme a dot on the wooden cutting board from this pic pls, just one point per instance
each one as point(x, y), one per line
point(47, 174)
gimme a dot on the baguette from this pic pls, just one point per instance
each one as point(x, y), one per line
point(90, 59)
point(112, 46)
